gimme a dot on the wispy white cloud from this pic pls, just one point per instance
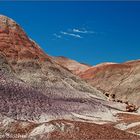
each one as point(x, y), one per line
point(71, 34)
point(75, 33)
point(84, 31)
point(57, 36)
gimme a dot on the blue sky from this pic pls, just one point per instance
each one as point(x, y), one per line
point(89, 32)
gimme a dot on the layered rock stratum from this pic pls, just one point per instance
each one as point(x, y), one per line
point(120, 82)
point(40, 99)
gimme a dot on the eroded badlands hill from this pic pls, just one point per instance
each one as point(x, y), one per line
point(30, 63)
point(120, 80)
